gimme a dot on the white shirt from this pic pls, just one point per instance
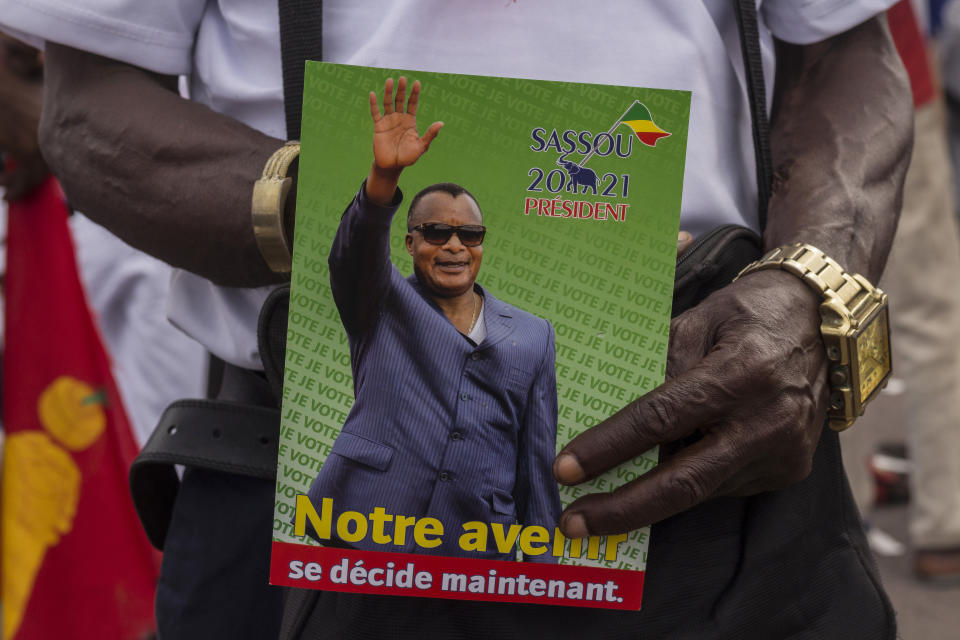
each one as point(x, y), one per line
point(153, 364)
point(230, 51)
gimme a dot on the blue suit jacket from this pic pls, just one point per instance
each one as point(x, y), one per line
point(440, 427)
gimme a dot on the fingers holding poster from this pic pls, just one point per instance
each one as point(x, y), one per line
point(422, 412)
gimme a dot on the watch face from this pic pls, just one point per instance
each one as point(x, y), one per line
point(873, 354)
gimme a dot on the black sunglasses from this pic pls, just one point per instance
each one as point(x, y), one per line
point(471, 235)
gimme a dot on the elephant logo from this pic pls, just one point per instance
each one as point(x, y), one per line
point(579, 176)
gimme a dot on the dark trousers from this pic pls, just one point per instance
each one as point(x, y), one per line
point(216, 561)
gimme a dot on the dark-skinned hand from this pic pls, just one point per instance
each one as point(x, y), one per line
point(746, 376)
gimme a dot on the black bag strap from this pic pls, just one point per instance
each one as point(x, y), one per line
point(746, 11)
point(272, 338)
point(231, 437)
point(301, 39)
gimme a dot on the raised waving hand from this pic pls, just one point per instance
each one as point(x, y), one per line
point(396, 142)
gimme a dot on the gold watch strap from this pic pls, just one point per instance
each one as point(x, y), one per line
point(269, 199)
point(853, 324)
point(821, 273)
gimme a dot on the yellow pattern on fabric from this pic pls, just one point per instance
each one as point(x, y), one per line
point(41, 488)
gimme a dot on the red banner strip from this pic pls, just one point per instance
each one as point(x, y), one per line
point(404, 574)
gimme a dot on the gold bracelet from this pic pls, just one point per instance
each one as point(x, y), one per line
point(818, 271)
point(269, 199)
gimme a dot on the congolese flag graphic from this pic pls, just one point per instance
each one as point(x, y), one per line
point(638, 118)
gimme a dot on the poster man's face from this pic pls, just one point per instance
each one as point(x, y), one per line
point(447, 270)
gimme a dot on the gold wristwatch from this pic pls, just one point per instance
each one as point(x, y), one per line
point(269, 199)
point(854, 324)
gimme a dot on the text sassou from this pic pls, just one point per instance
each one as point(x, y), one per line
point(392, 529)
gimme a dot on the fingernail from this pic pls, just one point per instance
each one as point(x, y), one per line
point(574, 526)
point(684, 236)
point(567, 469)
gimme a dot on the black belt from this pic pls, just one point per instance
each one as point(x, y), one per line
point(236, 433)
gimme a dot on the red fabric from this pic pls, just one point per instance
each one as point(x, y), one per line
point(913, 51)
point(96, 578)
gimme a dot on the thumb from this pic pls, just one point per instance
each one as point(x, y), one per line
point(431, 133)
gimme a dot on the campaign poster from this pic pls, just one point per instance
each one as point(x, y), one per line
point(418, 436)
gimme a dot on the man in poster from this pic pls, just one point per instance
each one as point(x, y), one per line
point(456, 409)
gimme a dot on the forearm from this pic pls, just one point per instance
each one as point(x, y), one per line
point(747, 370)
point(359, 261)
point(842, 129)
point(381, 185)
point(169, 176)
point(20, 112)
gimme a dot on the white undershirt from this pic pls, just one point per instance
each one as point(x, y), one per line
point(479, 330)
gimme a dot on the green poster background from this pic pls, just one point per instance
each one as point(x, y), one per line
point(605, 285)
